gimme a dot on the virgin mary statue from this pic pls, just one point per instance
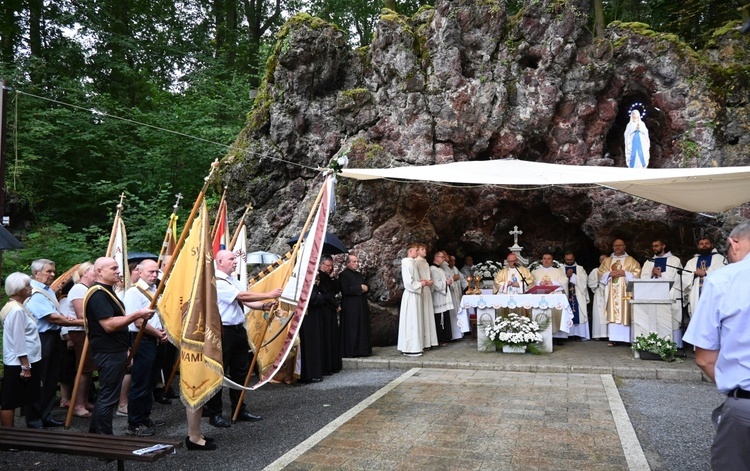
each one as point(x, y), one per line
point(637, 143)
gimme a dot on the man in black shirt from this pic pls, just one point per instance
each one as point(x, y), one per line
point(109, 339)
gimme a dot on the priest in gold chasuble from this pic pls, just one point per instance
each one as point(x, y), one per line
point(614, 274)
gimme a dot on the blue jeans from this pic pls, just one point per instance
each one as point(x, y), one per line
point(111, 368)
point(140, 397)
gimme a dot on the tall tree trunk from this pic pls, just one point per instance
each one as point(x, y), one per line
point(10, 33)
point(598, 18)
point(35, 36)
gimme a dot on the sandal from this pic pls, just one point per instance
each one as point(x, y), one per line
point(64, 404)
point(84, 414)
point(612, 344)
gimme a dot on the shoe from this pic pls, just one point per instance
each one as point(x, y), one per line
point(412, 354)
point(246, 416)
point(208, 439)
point(195, 447)
point(35, 425)
point(81, 413)
point(149, 422)
point(64, 404)
point(171, 394)
point(162, 399)
point(316, 380)
point(218, 421)
point(140, 431)
point(122, 410)
point(52, 422)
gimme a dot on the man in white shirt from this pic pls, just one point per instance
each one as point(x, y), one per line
point(142, 378)
point(234, 343)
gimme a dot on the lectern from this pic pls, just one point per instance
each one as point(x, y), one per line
point(651, 307)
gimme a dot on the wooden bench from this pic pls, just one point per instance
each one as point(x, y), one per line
point(105, 447)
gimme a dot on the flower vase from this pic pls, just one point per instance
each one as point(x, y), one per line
point(644, 355)
point(514, 348)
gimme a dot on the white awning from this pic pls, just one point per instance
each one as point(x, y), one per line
point(712, 189)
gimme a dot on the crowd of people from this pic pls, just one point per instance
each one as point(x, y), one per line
point(598, 299)
point(44, 336)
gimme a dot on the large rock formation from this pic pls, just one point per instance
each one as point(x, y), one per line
point(466, 81)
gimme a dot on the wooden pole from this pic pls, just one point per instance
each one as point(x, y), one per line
point(79, 373)
point(271, 314)
point(239, 226)
point(167, 235)
point(215, 227)
point(180, 243)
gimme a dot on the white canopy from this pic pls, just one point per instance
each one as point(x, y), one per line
point(694, 189)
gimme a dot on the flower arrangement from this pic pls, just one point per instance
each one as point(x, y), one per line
point(487, 270)
point(652, 343)
point(514, 330)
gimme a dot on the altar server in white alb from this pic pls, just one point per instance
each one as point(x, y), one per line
point(429, 332)
point(578, 296)
point(599, 306)
point(455, 292)
point(665, 266)
point(410, 325)
point(614, 273)
point(706, 261)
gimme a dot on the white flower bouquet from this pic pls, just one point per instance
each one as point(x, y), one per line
point(514, 330)
point(487, 270)
point(652, 343)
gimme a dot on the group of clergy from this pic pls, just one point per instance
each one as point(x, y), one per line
point(432, 294)
point(431, 300)
point(611, 316)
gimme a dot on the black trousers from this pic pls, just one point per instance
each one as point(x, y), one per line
point(53, 349)
point(236, 356)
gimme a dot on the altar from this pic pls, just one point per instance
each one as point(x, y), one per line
point(541, 306)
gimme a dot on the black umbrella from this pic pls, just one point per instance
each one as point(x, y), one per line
point(331, 246)
point(141, 256)
point(7, 241)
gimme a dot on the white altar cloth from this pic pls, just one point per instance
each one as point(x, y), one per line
point(540, 305)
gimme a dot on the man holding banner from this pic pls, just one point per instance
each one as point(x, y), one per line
point(235, 346)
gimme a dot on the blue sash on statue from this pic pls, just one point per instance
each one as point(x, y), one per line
point(636, 150)
point(572, 299)
point(661, 262)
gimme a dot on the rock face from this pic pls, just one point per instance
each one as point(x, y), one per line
point(467, 81)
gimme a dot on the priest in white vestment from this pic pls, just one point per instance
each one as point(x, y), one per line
point(457, 292)
point(599, 305)
point(513, 279)
point(614, 273)
point(410, 322)
point(706, 261)
point(578, 296)
point(466, 270)
point(549, 275)
point(429, 334)
point(665, 266)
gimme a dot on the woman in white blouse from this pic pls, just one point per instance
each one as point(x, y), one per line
point(22, 349)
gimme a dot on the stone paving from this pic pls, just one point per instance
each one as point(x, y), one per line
point(457, 408)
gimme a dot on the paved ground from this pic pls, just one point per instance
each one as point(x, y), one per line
point(476, 411)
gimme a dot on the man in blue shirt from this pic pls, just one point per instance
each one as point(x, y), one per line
point(720, 331)
point(43, 304)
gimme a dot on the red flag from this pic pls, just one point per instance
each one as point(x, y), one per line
point(221, 238)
